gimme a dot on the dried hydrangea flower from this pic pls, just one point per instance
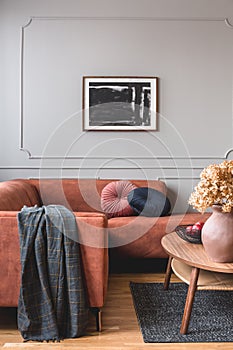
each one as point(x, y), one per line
point(214, 188)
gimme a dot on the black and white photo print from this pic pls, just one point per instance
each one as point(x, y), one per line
point(120, 103)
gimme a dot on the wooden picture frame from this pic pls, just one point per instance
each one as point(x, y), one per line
point(120, 103)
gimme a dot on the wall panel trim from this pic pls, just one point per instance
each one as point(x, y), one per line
point(224, 20)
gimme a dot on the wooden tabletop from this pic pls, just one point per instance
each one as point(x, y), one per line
point(192, 254)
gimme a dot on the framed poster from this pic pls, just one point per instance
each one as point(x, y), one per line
point(120, 103)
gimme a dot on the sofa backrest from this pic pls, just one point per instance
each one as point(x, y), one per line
point(82, 194)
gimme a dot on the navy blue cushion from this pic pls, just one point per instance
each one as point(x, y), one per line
point(149, 202)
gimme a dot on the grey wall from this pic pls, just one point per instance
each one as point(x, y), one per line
point(186, 43)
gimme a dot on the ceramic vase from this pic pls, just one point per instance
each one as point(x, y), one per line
point(217, 236)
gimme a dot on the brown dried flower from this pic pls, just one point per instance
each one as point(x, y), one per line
point(215, 187)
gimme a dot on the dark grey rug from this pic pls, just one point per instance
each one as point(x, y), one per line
point(160, 312)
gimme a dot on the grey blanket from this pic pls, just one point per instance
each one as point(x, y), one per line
point(52, 302)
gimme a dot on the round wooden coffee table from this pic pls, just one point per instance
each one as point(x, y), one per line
point(191, 264)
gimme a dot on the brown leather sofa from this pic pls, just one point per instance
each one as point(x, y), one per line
point(92, 228)
point(130, 236)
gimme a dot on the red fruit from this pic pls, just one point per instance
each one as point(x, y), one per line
point(200, 223)
point(197, 227)
point(189, 229)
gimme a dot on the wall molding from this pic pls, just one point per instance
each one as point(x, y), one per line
point(15, 167)
point(167, 178)
point(114, 18)
point(224, 20)
point(225, 157)
point(163, 178)
point(228, 24)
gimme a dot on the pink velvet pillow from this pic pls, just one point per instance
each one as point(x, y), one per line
point(114, 198)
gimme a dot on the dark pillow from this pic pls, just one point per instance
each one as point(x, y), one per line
point(149, 202)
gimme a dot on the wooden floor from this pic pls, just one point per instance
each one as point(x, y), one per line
point(120, 327)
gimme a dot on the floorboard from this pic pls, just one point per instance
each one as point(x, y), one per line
point(120, 327)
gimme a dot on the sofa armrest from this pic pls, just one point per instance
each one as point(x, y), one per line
point(9, 259)
point(94, 258)
point(14, 194)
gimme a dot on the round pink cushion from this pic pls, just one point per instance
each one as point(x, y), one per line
point(114, 198)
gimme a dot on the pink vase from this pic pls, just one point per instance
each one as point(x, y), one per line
point(217, 236)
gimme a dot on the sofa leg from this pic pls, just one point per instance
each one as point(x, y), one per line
point(98, 317)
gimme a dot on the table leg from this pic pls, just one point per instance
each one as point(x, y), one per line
point(168, 274)
point(189, 300)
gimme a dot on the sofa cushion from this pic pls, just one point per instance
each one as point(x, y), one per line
point(149, 202)
point(114, 199)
